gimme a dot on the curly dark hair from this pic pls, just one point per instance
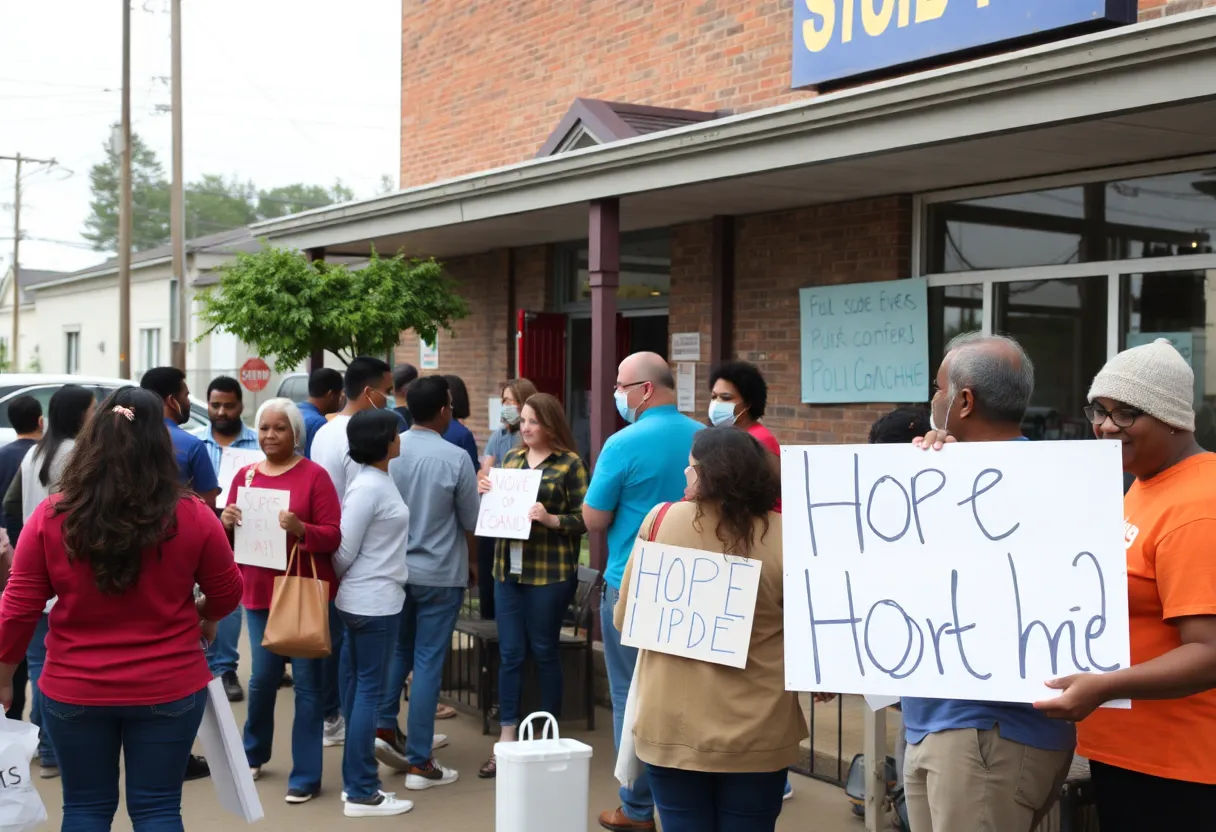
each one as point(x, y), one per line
point(900, 426)
point(121, 490)
point(748, 380)
point(739, 477)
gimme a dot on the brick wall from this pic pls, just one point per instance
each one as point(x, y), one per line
point(483, 84)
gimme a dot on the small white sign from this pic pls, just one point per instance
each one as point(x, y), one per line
point(428, 355)
point(686, 346)
point(686, 387)
point(230, 774)
point(258, 540)
point(233, 460)
point(691, 603)
point(504, 509)
point(494, 408)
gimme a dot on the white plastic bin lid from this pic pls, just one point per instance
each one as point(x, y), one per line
point(550, 749)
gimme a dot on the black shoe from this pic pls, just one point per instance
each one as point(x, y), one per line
point(197, 768)
point(232, 687)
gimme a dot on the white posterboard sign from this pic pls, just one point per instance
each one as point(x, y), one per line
point(504, 509)
point(980, 571)
point(258, 540)
point(690, 603)
point(225, 752)
point(233, 460)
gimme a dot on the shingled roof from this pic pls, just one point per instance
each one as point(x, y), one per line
point(591, 121)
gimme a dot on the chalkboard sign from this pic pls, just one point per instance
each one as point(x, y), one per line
point(865, 342)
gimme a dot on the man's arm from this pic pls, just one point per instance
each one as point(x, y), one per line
point(202, 475)
point(604, 493)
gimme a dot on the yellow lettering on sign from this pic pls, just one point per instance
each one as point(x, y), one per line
point(905, 13)
point(930, 9)
point(846, 30)
point(817, 37)
point(876, 23)
point(983, 4)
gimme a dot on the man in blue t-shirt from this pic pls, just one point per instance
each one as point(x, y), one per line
point(639, 468)
point(987, 766)
point(193, 461)
point(324, 398)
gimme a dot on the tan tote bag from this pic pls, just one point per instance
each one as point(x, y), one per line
point(298, 624)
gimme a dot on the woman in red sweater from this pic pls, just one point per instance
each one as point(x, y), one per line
point(314, 522)
point(122, 546)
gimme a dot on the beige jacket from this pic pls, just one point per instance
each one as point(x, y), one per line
point(700, 716)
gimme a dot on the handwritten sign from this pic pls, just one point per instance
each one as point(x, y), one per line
point(865, 342)
point(233, 460)
point(691, 603)
point(504, 509)
point(977, 572)
point(258, 540)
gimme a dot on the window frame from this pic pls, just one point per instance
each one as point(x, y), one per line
point(71, 338)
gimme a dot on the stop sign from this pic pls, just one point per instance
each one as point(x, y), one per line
point(255, 374)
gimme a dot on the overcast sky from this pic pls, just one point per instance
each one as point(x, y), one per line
point(276, 91)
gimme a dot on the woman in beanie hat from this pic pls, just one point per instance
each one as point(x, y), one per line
point(1153, 766)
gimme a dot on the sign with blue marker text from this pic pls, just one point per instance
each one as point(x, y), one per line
point(980, 571)
point(691, 603)
point(865, 342)
point(838, 39)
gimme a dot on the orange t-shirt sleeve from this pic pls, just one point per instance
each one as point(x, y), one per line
point(1186, 570)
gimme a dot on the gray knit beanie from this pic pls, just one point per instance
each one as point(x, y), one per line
point(1154, 378)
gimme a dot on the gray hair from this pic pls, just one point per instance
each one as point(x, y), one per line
point(1002, 380)
point(294, 418)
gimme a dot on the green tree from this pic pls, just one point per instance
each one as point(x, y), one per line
point(214, 203)
point(287, 307)
point(292, 199)
point(149, 200)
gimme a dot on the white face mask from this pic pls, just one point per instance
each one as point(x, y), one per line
point(933, 420)
point(722, 413)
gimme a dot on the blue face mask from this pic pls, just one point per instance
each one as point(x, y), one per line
point(722, 413)
point(629, 414)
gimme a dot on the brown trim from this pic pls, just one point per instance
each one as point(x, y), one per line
point(603, 267)
point(317, 360)
point(722, 282)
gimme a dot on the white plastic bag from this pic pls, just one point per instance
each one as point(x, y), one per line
point(628, 766)
point(20, 804)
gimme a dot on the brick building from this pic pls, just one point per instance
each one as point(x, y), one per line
point(599, 176)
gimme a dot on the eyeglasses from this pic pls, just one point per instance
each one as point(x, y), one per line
point(1123, 417)
point(619, 386)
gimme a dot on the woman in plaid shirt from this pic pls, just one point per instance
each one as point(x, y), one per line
point(535, 579)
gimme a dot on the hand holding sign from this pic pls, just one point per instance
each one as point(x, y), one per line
point(258, 538)
point(506, 507)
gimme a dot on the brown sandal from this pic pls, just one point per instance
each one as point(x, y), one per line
point(489, 769)
point(445, 712)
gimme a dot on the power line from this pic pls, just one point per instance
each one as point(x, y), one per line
point(19, 160)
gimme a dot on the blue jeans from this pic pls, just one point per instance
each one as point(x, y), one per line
point(529, 617)
point(424, 638)
point(223, 654)
point(154, 741)
point(698, 801)
point(370, 642)
point(309, 720)
point(35, 658)
point(335, 688)
point(620, 661)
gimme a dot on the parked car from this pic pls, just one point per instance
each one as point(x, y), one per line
point(42, 386)
point(294, 386)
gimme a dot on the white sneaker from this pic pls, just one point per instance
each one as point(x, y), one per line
point(388, 805)
point(441, 741)
point(382, 791)
point(335, 732)
point(434, 775)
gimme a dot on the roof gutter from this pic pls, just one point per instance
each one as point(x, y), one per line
point(1079, 58)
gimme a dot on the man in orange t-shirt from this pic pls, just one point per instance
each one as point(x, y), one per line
point(1152, 765)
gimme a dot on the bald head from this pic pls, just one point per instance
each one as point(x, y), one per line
point(996, 370)
point(646, 366)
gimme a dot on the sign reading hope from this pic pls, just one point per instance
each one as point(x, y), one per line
point(504, 509)
point(258, 540)
point(691, 603)
point(976, 572)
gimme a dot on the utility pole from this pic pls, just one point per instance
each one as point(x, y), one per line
point(124, 205)
point(177, 197)
point(19, 159)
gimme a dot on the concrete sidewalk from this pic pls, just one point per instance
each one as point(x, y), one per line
point(465, 806)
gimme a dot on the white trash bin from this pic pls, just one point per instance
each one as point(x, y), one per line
point(542, 785)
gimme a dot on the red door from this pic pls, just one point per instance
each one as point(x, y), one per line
point(540, 351)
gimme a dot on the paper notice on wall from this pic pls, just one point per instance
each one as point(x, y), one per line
point(428, 355)
point(504, 508)
point(977, 572)
point(686, 387)
point(690, 603)
point(259, 540)
point(233, 460)
point(686, 346)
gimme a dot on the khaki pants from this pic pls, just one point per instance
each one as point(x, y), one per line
point(969, 780)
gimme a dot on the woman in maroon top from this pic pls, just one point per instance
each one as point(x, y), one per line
point(122, 546)
point(314, 522)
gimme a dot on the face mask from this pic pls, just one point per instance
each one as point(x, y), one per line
point(933, 420)
point(722, 413)
point(510, 414)
point(629, 414)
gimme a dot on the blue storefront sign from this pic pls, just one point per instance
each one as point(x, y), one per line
point(838, 39)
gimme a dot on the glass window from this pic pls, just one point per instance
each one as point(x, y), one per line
point(1162, 216)
point(71, 353)
point(42, 394)
point(149, 348)
point(645, 270)
point(953, 310)
point(1176, 305)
